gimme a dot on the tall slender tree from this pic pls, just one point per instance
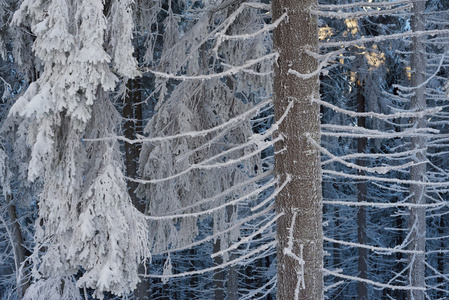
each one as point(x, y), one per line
point(296, 86)
point(418, 102)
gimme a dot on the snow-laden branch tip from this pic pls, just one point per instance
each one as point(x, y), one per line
point(288, 251)
point(232, 71)
point(233, 188)
point(235, 226)
point(392, 180)
point(222, 36)
point(373, 283)
point(361, 132)
point(231, 123)
point(385, 205)
point(253, 193)
point(382, 38)
point(221, 266)
point(321, 66)
point(362, 4)
point(361, 14)
point(380, 250)
point(378, 170)
point(371, 114)
point(248, 238)
point(276, 192)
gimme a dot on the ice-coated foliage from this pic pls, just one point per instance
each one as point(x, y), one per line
point(85, 213)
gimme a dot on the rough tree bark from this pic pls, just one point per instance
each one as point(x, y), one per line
point(132, 112)
point(19, 251)
point(362, 287)
point(300, 202)
point(417, 221)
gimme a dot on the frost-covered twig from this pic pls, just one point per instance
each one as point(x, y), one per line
point(360, 14)
point(235, 226)
point(379, 170)
point(392, 180)
point(382, 38)
point(211, 210)
point(383, 250)
point(373, 283)
point(232, 71)
point(384, 205)
point(221, 266)
point(288, 251)
point(248, 238)
point(370, 114)
point(361, 4)
point(230, 123)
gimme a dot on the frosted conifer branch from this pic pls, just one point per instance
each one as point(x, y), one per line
point(288, 251)
point(382, 38)
point(371, 282)
point(381, 116)
point(361, 14)
point(235, 226)
point(379, 170)
point(216, 208)
point(385, 205)
point(230, 123)
point(380, 250)
point(361, 4)
point(220, 266)
point(247, 239)
point(392, 180)
point(232, 71)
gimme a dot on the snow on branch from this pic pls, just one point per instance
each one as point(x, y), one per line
point(262, 145)
point(233, 188)
point(362, 4)
point(413, 88)
point(371, 114)
point(379, 170)
point(288, 251)
point(392, 180)
point(276, 192)
point(373, 283)
point(360, 132)
point(232, 71)
point(216, 208)
point(361, 14)
point(222, 36)
point(217, 267)
point(321, 66)
point(248, 238)
point(385, 205)
point(235, 226)
point(382, 38)
point(231, 123)
point(380, 250)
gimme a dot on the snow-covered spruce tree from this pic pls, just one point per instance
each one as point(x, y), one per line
point(84, 208)
point(192, 174)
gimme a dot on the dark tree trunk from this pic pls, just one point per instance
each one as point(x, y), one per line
point(19, 251)
point(361, 197)
point(417, 221)
point(300, 202)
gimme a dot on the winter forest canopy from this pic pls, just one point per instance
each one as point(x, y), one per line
point(224, 149)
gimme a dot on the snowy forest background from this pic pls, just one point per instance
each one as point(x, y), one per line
point(137, 141)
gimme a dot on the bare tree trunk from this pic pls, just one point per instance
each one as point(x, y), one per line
point(218, 274)
point(417, 172)
point(132, 112)
point(361, 197)
point(300, 258)
point(19, 251)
